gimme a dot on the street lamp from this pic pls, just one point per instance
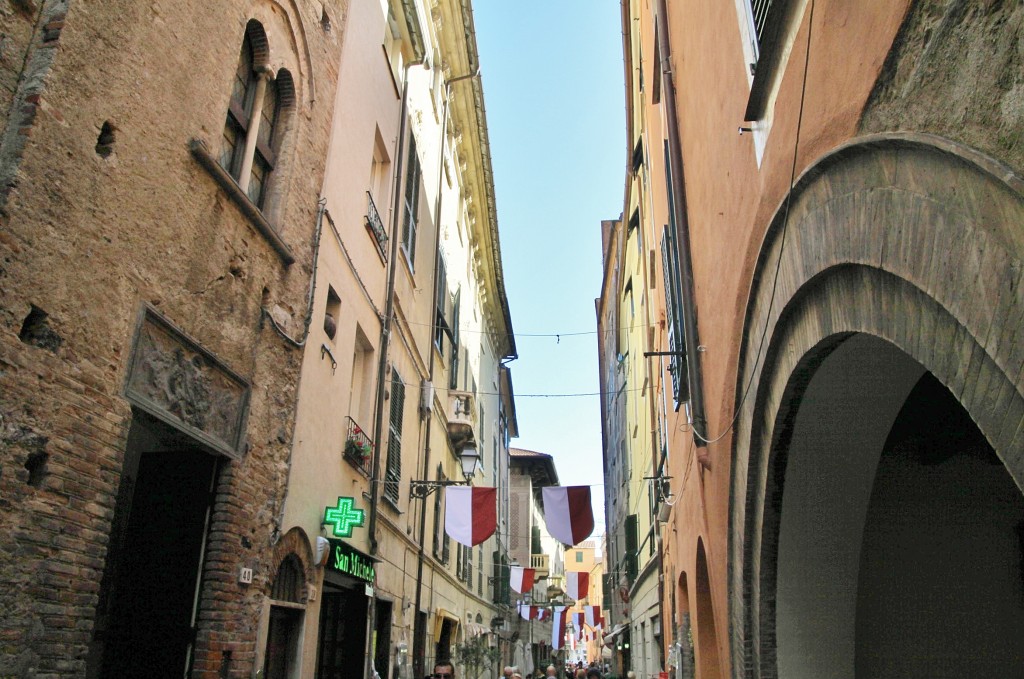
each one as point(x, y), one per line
point(468, 458)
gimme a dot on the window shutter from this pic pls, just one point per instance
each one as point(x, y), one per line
point(632, 538)
point(453, 373)
point(674, 318)
point(412, 199)
point(393, 474)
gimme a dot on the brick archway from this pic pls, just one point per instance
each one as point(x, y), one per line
point(294, 543)
point(908, 238)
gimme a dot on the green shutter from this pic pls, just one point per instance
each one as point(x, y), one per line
point(393, 473)
point(632, 540)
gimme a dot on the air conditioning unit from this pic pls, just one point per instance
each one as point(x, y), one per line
point(426, 396)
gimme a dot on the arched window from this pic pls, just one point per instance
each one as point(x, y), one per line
point(289, 585)
point(252, 126)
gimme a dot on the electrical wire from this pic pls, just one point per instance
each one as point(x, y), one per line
point(782, 242)
point(557, 335)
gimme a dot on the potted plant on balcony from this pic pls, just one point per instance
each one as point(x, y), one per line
point(358, 447)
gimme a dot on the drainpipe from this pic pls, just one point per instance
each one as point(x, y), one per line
point(382, 363)
point(425, 472)
point(389, 310)
point(682, 225)
point(321, 210)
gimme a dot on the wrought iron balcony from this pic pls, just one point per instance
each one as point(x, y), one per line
point(358, 448)
point(375, 226)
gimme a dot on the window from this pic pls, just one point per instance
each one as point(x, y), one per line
point(579, 557)
point(768, 26)
point(412, 201)
point(393, 473)
point(628, 295)
point(377, 194)
point(250, 141)
point(360, 399)
point(441, 313)
point(453, 371)
point(758, 13)
point(632, 540)
point(480, 571)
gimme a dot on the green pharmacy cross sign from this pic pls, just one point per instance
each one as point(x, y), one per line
point(343, 517)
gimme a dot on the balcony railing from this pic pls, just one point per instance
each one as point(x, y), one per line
point(375, 226)
point(358, 448)
point(541, 563)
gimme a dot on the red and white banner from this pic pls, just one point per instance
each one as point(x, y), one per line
point(577, 624)
point(568, 513)
point(521, 579)
point(470, 513)
point(558, 627)
point(577, 584)
point(543, 614)
point(593, 616)
point(528, 612)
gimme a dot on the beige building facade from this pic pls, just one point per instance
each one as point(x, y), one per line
point(403, 372)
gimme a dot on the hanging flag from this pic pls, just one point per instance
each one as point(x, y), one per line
point(528, 612)
point(577, 623)
point(568, 513)
point(521, 579)
point(593, 616)
point(543, 613)
point(470, 513)
point(558, 627)
point(577, 584)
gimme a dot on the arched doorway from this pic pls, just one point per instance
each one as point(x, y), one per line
point(685, 668)
point(707, 639)
point(894, 296)
point(898, 550)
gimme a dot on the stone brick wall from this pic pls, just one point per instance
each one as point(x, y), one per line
point(955, 70)
point(88, 238)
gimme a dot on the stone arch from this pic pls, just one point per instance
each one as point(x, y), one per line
point(911, 239)
point(288, 43)
point(706, 639)
point(686, 668)
point(294, 547)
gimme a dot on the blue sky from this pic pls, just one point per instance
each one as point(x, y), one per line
point(553, 89)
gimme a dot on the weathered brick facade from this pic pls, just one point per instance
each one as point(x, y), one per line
point(106, 213)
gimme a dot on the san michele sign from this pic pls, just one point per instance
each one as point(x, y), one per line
point(350, 561)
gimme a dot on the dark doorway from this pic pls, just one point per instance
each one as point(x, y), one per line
point(282, 642)
point(342, 645)
point(419, 646)
point(382, 640)
point(444, 642)
point(149, 590)
point(899, 544)
point(941, 559)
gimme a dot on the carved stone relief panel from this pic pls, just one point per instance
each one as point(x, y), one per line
point(174, 379)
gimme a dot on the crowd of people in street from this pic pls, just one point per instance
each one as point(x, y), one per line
point(446, 670)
